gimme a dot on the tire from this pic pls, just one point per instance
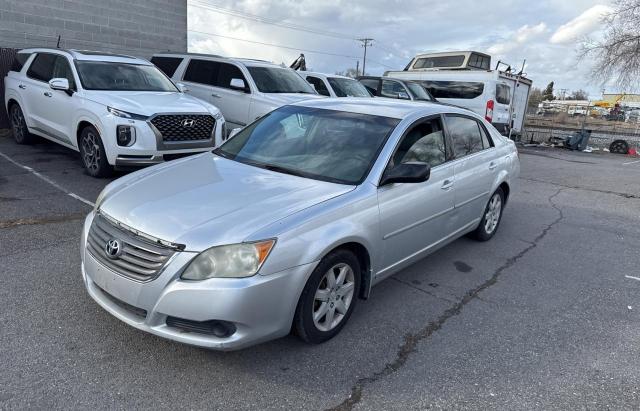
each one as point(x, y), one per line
point(92, 153)
point(491, 217)
point(19, 126)
point(619, 146)
point(319, 296)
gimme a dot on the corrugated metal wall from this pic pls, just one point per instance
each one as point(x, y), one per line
point(6, 59)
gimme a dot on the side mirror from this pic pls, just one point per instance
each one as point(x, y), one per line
point(61, 84)
point(234, 131)
point(183, 88)
point(403, 95)
point(412, 172)
point(238, 84)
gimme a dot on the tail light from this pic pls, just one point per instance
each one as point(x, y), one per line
point(488, 115)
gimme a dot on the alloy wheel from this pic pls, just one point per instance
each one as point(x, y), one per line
point(333, 297)
point(91, 151)
point(492, 216)
point(17, 120)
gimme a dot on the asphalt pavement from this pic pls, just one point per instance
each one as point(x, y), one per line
point(545, 315)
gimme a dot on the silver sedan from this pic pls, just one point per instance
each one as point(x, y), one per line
point(286, 225)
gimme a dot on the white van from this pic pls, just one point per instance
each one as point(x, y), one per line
point(491, 93)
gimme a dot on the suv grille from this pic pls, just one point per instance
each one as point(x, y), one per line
point(138, 259)
point(184, 127)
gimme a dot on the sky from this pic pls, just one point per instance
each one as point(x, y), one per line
point(547, 33)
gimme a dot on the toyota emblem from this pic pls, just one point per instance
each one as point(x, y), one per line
point(113, 248)
point(188, 123)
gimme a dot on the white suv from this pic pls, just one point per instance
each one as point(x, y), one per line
point(244, 89)
point(115, 110)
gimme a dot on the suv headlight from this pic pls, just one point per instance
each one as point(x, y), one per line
point(124, 114)
point(229, 261)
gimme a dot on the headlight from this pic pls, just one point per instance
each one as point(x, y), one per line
point(229, 261)
point(124, 114)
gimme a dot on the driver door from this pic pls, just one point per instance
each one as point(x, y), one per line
point(416, 217)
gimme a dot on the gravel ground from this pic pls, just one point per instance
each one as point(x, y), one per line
point(542, 316)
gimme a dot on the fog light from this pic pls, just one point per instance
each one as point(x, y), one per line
point(126, 135)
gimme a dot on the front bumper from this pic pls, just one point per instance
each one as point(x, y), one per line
point(260, 307)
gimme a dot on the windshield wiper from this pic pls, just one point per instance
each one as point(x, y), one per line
point(280, 169)
point(221, 153)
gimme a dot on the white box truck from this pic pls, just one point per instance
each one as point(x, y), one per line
point(465, 79)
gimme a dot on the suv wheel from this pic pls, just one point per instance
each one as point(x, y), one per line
point(328, 298)
point(491, 217)
point(19, 125)
point(93, 154)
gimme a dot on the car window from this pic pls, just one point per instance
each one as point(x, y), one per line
point(168, 65)
point(423, 143)
point(393, 89)
point(346, 87)
point(503, 94)
point(18, 61)
point(41, 67)
point(62, 69)
point(439, 61)
point(486, 140)
point(202, 71)
point(279, 80)
point(371, 85)
point(319, 85)
point(465, 135)
point(419, 92)
point(226, 73)
point(454, 89)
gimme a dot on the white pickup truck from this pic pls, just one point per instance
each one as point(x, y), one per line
point(244, 89)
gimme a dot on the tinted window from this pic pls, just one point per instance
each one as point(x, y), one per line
point(228, 72)
point(465, 135)
point(103, 75)
point(371, 85)
point(62, 69)
point(393, 89)
point(346, 87)
point(19, 60)
point(327, 145)
point(486, 141)
point(319, 85)
point(441, 61)
point(503, 94)
point(42, 67)
point(202, 71)
point(454, 89)
point(167, 64)
point(419, 92)
point(478, 61)
point(424, 143)
point(279, 80)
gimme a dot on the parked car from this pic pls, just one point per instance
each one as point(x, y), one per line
point(333, 85)
point(115, 110)
point(394, 88)
point(465, 79)
point(244, 89)
point(293, 219)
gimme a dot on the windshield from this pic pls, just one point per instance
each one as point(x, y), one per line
point(326, 145)
point(279, 80)
point(345, 87)
point(104, 75)
point(419, 92)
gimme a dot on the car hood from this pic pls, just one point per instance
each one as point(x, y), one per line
point(206, 200)
point(148, 103)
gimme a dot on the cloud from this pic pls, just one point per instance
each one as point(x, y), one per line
point(519, 37)
point(586, 23)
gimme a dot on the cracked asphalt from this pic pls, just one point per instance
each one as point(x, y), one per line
point(542, 316)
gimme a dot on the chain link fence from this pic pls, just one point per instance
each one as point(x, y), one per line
point(6, 60)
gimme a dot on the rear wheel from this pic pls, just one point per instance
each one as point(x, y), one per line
point(328, 298)
point(491, 217)
point(19, 125)
point(93, 154)
point(619, 146)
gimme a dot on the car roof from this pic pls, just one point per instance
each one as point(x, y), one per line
point(89, 55)
point(380, 106)
point(315, 73)
point(216, 57)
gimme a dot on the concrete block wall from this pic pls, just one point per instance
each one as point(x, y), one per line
point(135, 27)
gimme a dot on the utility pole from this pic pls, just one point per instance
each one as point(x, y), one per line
point(357, 68)
point(365, 43)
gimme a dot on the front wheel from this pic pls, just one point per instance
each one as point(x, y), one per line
point(491, 217)
point(328, 298)
point(93, 154)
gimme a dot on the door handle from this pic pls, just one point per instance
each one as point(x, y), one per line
point(447, 184)
point(22, 86)
point(492, 165)
point(47, 94)
point(215, 95)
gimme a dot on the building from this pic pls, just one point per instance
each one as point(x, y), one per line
point(138, 28)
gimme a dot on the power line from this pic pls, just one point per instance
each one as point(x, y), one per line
point(275, 45)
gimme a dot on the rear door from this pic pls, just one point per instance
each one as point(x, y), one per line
point(200, 76)
point(474, 167)
point(502, 103)
point(235, 102)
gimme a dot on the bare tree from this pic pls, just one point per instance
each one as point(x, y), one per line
point(617, 54)
point(350, 72)
point(579, 95)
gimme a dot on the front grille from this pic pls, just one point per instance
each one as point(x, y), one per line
point(184, 127)
point(139, 259)
point(221, 329)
